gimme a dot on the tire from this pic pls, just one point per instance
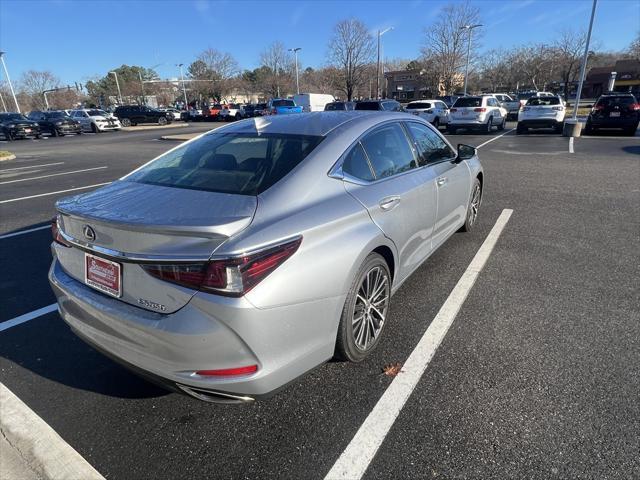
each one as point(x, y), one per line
point(238, 117)
point(502, 125)
point(489, 124)
point(473, 208)
point(8, 136)
point(558, 128)
point(125, 122)
point(94, 128)
point(631, 131)
point(54, 133)
point(436, 123)
point(520, 129)
point(162, 121)
point(354, 342)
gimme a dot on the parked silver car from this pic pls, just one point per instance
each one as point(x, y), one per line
point(236, 262)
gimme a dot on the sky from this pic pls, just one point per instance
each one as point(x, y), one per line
point(80, 39)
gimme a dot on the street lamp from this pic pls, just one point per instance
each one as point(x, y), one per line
point(184, 90)
point(466, 69)
point(6, 72)
point(295, 53)
point(117, 85)
point(584, 62)
point(380, 33)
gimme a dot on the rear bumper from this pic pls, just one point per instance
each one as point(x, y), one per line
point(210, 332)
point(468, 123)
point(613, 122)
point(541, 123)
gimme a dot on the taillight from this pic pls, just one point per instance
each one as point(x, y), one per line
point(274, 111)
point(228, 372)
point(453, 110)
point(634, 106)
point(597, 108)
point(55, 233)
point(481, 109)
point(232, 277)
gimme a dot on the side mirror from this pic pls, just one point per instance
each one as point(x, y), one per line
point(465, 152)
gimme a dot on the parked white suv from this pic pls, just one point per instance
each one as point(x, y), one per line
point(96, 120)
point(512, 105)
point(541, 112)
point(233, 111)
point(478, 112)
point(435, 112)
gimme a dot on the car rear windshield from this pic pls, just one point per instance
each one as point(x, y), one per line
point(413, 106)
point(283, 103)
point(244, 164)
point(541, 101)
point(468, 102)
point(368, 106)
point(622, 101)
point(97, 113)
point(334, 106)
point(55, 114)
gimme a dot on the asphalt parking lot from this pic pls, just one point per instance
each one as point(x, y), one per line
point(538, 376)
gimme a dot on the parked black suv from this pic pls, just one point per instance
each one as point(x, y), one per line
point(16, 125)
point(134, 114)
point(384, 105)
point(614, 110)
point(55, 122)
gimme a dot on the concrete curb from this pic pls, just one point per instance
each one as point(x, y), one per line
point(139, 128)
point(43, 453)
point(8, 157)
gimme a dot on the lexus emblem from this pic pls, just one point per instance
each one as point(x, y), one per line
point(89, 233)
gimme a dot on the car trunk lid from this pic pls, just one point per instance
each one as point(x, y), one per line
point(133, 223)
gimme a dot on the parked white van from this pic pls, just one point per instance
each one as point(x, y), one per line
point(313, 102)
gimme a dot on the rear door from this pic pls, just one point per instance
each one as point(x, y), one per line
point(382, 172)
point(452, 180)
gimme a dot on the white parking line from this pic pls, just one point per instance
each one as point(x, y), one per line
point(22, 232)
point(30, 166)
point(44, 452)
point(28, 316)
point(53, 193)
point(52, 175)
point(356, 458)
point(494, 138)
point(571, 145)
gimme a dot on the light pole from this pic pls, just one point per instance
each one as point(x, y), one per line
point(184, 90)
point(466, 68)
point(295, 53)
point(584, 62)
point(380, 33)
point(117, 85)
point(6, 72)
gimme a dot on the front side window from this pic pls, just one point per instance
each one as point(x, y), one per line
point(431, 147)
point(389, 151)
point(357, 165)
point(244, 164)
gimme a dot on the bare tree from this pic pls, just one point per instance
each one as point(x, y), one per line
point(278, 78)
point(214, 72)
point(33, 83)
point(351, 49)
point(568, 50)
point(634, 47)
point(446, 41)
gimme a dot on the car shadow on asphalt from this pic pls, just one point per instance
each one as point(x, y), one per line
point(49, 350)
point(635, 149)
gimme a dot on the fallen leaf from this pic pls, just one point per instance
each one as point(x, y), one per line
point(392, 369)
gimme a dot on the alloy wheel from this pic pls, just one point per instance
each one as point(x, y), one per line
point(370, 309)
point(474, 206)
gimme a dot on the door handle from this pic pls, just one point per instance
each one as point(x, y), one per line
point(389, 203)
point(441, 181)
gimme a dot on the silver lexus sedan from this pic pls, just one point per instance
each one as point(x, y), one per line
point(236, 262)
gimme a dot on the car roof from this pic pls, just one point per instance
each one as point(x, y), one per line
point(312, 123)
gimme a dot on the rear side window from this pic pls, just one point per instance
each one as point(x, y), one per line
point(284, 103)
point(389, 151)
point(413, 106)
point(543, 101)
point(244, 164)
point(357, 165)
point(468, 102)
point(431, 147)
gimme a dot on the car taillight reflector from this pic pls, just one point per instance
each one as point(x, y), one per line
point(481, 109)
point(634, 106)
point(230, 276)
point(228, 372)
point(55, 233)
point(597, 108)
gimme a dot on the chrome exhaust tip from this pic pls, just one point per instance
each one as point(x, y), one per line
point(211, 396)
